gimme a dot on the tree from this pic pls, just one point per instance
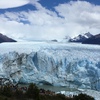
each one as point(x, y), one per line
point(33, 92)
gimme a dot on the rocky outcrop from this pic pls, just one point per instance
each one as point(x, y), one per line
point(4, 38)
point(93, 40)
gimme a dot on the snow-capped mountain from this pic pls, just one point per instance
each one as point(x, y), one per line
point(4, 38)
point(93, 40)
point(72, 65)
point(81, 37)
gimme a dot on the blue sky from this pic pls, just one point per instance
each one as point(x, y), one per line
point(49, 4)
point(48, 19)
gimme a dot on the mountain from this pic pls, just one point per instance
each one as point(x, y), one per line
point(58, 64)
point(4, 38)
point(93, 40)
point(81, 37)
point(54, 40)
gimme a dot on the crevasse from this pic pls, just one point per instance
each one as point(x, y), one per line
point(57, 64)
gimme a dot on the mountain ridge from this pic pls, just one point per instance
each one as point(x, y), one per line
point(81, 37)
point(4, 38)
point(93, 40)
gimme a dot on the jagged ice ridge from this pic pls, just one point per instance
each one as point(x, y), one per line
point(58, 64)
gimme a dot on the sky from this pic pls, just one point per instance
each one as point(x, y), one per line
point(48, 19)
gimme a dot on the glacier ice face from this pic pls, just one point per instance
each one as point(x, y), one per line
point(55, 64)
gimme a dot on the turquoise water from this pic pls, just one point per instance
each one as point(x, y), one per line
point(53, 88)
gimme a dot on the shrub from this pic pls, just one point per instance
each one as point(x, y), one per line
point(6, 91)
point(3, 98)
point(83, 97)
point(33, 92)
point(19, 94)
point(61, 96)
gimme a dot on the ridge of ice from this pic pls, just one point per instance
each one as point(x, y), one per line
point(58, 64)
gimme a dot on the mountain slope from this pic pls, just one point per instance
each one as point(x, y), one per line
point(4, 38)
point(93, 40)
point(81, 37)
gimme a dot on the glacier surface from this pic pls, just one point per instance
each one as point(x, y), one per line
point(57, 64)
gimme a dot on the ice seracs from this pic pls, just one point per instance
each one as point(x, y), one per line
point(58, 64)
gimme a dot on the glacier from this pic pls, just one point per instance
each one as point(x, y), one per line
point(59, 64)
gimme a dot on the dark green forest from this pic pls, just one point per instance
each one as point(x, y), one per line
point(9, 92)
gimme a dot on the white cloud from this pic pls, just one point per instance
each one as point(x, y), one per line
point(77, 17)
point(42, 25)
point(82, 13)
point(12, 3)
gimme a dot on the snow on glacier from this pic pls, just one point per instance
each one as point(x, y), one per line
point(92, 93)
point(58, 64)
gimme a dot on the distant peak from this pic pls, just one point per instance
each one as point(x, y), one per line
point(81, 37)
point(4, 38)
point(93, 40)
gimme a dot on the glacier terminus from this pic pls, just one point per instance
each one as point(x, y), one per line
point(58, 64)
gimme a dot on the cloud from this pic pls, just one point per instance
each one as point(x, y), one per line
point(77, 17)
point(82, 13)
point(40, 25)
point(12, 3)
